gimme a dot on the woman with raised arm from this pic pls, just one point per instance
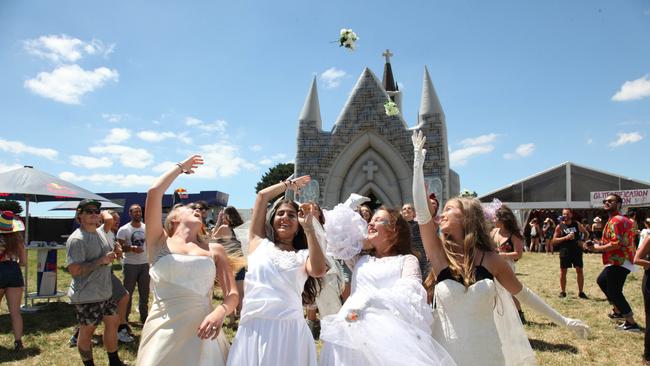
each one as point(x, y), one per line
point(386, 319)
point(473, 283)
point(284, 260)
point(182, 327)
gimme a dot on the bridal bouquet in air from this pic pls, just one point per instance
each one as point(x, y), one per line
point(347, 39)
point(391, 108)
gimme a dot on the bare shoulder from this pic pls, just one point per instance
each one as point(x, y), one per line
point(217, 249)
point(493, 262)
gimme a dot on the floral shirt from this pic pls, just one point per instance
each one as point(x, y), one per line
point(618, 232)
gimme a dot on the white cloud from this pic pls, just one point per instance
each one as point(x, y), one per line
point(90, 162)
point(216, 126)
point(266, 162)
point(68, 83)
point(461, 156)
point(480, 140)
point(256, 148)
point(129, 156)
point(525, 149)
point(117, 135)
point(222, 160)
point(280, 156)
point(626, 138)
point(521, 151)
point(472, 146)
point(590, 141)
point(17, 147)
point(7, 167)
point(633, 90)
point(153, 136)
point(62, 48)
point(122, 180)
point(112, 117)
point(163, 167)
point(332, 77)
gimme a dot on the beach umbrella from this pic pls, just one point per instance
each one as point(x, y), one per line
point(32, 185)
point(72, 205)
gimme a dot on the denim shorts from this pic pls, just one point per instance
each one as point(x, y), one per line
point(11, 275)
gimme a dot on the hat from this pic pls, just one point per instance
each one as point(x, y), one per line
point(88, 202)
point(9, 223)
point(597, 219)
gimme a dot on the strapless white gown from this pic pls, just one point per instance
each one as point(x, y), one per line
point(272, 329)
point(480, 325)
point(392, 323)
point(182, 291)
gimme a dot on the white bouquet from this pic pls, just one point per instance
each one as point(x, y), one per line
point(391, 108)
point(347, 39)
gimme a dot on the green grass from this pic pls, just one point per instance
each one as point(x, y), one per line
point(47, 332)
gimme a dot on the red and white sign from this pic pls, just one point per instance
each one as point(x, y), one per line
point(631, 197)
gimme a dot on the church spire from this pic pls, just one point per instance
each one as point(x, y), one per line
point(429, 103)
point(388, 81)
point(311, 108)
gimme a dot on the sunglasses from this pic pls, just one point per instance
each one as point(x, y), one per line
point(609, 201)
point(91, 211)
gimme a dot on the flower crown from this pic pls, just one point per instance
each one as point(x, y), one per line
point(490, 210)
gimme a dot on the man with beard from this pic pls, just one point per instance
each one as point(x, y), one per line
point(617, 246)
point(136, 266)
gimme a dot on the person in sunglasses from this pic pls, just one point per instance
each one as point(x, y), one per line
point(89, 256)
point(617, 246)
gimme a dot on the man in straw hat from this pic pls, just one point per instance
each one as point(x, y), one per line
point(88, 258)
point(12, 256)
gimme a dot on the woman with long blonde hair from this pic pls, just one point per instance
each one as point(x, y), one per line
point(472, 283)
point(183, 328)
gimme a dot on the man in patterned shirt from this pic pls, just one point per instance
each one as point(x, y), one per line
point(617, 246)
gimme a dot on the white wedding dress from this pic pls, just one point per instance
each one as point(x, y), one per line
point(272, 329)
point(385, 321)
point(182, 291)
point(480, 325)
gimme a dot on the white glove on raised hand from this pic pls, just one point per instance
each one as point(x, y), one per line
point(419, 152)
point(529, 298)
point(420, 203)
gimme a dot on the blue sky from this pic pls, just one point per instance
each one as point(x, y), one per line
point(109, 94)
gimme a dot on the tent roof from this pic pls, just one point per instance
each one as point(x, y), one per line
point(564, 185)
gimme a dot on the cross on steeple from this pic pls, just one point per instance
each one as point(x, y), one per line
point(388, 55)
point(370, 168)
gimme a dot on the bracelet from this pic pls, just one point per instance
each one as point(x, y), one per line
point(183, 170)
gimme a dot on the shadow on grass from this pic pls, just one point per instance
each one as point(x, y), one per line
point(9, 355)
point(542, 346)
point(53, 317)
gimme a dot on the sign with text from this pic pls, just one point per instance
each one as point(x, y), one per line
point(631, 197)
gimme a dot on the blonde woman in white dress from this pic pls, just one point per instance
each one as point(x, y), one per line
point(475, 319)
point(182, 327)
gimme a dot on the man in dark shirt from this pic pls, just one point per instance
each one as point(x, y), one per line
point(416, 241)
point(567, 240)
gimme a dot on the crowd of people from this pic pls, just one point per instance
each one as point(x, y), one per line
point(414, 286)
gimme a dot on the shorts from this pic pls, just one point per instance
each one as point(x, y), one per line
point(118, 289)
point(11, 275)
point(93, 313)
point(240, 275)
point(570, 259)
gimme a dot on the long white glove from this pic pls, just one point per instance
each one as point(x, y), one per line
point(530, 299)
point(420, 203)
